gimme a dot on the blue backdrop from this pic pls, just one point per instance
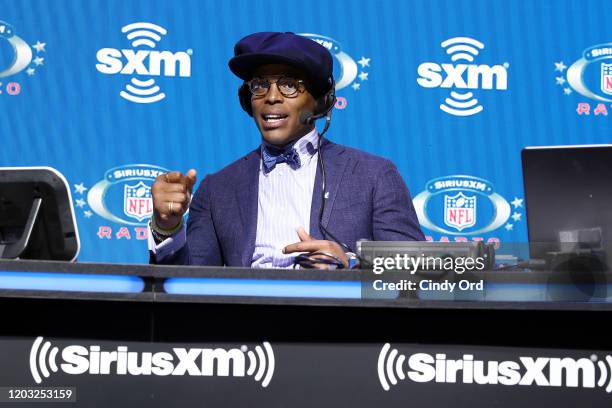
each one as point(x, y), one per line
point(449, 90)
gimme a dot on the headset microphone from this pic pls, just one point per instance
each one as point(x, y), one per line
point(308, 118)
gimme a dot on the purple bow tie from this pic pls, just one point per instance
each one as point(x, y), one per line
point(272, 156)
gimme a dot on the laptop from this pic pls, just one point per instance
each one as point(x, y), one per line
point(568, 198)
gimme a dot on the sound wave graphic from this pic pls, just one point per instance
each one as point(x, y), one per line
point(39, 359)
point(261, 363)
point(390, 366)
point(147, 34)
point(603, 376)
point(144, 34)
point(142, 91)
point(462, 49)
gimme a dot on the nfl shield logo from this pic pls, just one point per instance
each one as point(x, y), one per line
point(606, 78)
point(137, 201)
point(460, 211)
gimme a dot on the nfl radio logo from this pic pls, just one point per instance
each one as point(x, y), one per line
point(137, 201)
point(460, 211)
point(606, 78)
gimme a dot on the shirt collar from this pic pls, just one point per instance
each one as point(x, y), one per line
point(306, 146)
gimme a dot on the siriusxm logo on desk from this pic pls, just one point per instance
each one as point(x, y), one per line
point(538, 371)
point(46, 359)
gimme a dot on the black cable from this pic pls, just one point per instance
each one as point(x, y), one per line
point(363, 262)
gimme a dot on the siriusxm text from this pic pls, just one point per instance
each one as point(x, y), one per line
point(182, 361)
point(542, 371)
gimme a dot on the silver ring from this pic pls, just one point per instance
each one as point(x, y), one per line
point(171, 207)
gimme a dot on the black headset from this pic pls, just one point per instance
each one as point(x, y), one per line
point(324, 104)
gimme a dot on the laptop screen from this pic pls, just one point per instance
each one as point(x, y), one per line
point(568, 191)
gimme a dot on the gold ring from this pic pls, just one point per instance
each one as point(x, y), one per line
point(171, 207)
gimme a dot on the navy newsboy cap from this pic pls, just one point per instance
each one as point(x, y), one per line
point(303, 53)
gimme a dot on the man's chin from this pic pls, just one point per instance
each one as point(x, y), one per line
point(276, 138)
point(280, 137)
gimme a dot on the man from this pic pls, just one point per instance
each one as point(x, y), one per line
point(264, 209)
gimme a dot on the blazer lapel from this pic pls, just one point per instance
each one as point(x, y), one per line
point(247, 191)
point(335, 163)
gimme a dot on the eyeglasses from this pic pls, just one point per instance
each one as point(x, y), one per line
point(287, 86)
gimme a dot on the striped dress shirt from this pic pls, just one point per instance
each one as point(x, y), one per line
point(283, 205)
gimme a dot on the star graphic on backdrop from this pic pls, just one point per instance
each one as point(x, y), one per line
point(38, 61)
point(560, 66)
point(509, 227)
point(363, 76)
point(80, 203)
point(567, 91)
point(87, 213)
point(560, 80)
point(30, 71)
point(356, 86)
point(79, 188)
point(364, 62)
point(39, 47)
point(517, 202)
point(516, 216)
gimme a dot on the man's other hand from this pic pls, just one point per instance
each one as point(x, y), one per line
point(309, 245)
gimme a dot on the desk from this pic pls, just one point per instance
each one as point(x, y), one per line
point(139, 345)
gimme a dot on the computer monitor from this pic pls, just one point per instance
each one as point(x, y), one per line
point(568, 196)
point(36, 215)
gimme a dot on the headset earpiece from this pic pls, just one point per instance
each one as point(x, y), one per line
point(326, 102)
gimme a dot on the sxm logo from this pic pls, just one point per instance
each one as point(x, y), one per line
point(21, 57)
point(76, 359)
point(461, 78)
point(534, 371)
point(591, 77)
point(463, 205)
point(143, 63)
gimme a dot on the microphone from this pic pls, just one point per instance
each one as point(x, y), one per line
point(308, 118)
